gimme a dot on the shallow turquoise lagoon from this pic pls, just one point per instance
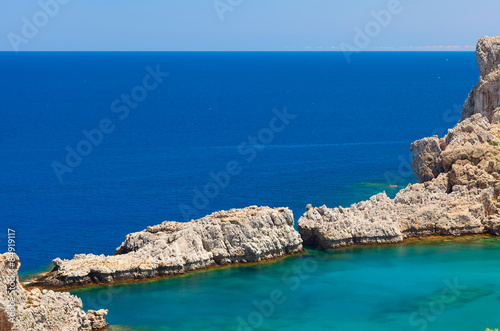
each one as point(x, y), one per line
point(440, 284)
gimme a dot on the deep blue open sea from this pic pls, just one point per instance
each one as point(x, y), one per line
point(97, 145)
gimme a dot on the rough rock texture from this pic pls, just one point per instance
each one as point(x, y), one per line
point(485, 97)
point(418, 210)
point(478, 127)
point(97, 319)
point(37, 310)
point(252, 234)
point(459, 179)
point(468, 153)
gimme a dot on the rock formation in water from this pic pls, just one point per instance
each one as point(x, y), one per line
point(252, 234)
point(36, 310)
point(458, 175)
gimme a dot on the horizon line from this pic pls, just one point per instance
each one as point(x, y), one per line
point(260, 51)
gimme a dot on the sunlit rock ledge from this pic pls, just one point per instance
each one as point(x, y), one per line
point(459, 180)
point(252, 234)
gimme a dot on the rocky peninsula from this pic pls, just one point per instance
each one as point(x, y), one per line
point(34, 310)
point(458, 180)
point(252, 234)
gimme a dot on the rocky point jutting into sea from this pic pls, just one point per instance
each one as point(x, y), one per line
point(458, 175)
point(252, 234)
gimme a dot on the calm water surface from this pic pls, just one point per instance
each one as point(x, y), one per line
point(443, 284)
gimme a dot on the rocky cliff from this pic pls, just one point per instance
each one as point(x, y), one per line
point(252, 234)
point(475, 135)
point(35, 310)
point(459, 179)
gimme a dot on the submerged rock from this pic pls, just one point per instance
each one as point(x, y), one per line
point(252, 234)
point(459, 179)
point(22, 310)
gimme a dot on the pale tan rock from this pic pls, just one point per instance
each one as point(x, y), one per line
point(252, 234)
point(37, 310)
point(427, 162)
point(416, 211)
point(484, 98)
point(97, 319)
point(488, 55)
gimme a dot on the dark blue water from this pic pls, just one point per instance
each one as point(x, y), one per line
point(348, 139)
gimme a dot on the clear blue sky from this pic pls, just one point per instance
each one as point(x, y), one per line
point(267, 25)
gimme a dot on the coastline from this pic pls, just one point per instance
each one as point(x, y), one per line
point(455, 197)
point(305, 251)
point(458, 179)
point(383, 281)
point(237, 236)
point(160, 278)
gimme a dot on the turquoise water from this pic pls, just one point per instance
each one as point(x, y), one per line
point(442, 284)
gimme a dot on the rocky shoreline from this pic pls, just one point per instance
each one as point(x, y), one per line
point(456, 194)
point(35, 309)
point(459, 180)
point(249, 235)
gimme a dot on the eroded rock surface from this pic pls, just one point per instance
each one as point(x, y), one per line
point(418, 210)
point(459, 179)
point(40, 310)
point(252, 234)
point(97, 319)
point(478, 130)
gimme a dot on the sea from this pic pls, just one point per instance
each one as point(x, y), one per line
point(96, 145)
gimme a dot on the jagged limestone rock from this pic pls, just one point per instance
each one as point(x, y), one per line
point(37, 310)
point(97, 319)
point(418, 210)
point(252, 234)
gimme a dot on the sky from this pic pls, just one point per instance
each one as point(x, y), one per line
point(246, 25)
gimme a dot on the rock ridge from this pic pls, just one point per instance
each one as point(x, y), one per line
point(247, 235)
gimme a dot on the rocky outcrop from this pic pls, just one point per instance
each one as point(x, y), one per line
point(465, 142)
point(40, 310)
point(484, 99)
point(418, 210)
point(97, 319)
point(252, 234)
point(459, 179)
point(468, 153)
